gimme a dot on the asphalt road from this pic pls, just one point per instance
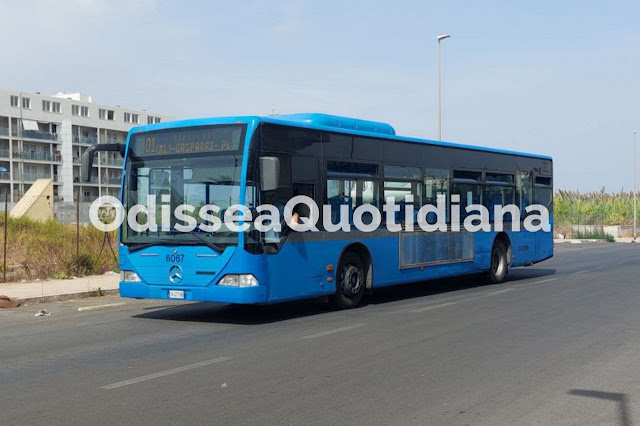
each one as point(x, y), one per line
point(558, 344)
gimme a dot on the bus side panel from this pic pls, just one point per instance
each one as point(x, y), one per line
point(296, 271)
point(387, 271)
point(544, 245)
point(523, 247)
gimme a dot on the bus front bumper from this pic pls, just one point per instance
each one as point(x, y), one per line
point(213, 293)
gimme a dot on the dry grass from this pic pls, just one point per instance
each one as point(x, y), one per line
point(593, 208)
point(48, 250)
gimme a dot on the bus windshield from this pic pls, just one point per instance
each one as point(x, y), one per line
point(163, 182)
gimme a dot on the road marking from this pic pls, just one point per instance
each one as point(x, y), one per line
point(335, 330)
point(499, 291)
point(164, 373)
point(429, 308)
point(580, 272)
point(547, 280)
point(599, 267)
point(96, 307)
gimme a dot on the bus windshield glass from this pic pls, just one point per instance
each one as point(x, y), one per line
point(192, 166)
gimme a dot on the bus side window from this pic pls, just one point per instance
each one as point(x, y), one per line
point(436, 184)
point(303, 178)
point(525, 191)
point(467, 184)
point(499, 191)
point(401, 181)
point(351, 193)
point(542, 191)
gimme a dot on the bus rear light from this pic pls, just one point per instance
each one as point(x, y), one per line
point(129, 276)
point(241, 280)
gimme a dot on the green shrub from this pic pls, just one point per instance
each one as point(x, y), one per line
point(80, 265)
point(593, 235)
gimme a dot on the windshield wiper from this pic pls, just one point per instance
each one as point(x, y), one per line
point(139, 246)
point(202, 238)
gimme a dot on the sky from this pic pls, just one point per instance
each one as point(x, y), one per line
point(560, 78)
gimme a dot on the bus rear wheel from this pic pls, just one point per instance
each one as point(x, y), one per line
point(351, 282)
point(499, 263)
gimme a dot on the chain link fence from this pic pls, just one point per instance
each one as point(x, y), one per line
point(43, 239)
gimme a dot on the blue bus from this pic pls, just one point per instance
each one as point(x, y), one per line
point(336, 161)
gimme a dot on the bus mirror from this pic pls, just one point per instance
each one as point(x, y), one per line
point(87, 163)
point(89, 154)
point(269, 173)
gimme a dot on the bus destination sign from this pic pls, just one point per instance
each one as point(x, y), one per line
point(189, 140)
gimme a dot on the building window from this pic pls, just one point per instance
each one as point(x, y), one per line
point(14, 101)
point(106, 114)
point(26, 103)
point(46, 106)
point(131, 118)
point(55, 107)
point(75, 109)
point(84, 111)
point(153, 120)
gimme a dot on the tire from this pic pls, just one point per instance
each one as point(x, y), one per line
point(499, 263)
point(350, 282)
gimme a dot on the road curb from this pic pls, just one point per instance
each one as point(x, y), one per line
point(68, 296)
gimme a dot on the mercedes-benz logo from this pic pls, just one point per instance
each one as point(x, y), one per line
point(175, 274)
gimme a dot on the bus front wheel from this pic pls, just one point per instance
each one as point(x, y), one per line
point(499, 263)
point(351, 282)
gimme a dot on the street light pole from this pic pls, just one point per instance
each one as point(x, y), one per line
point(440, 38)
point(635, 191)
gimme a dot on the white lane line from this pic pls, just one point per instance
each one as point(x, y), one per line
point(578, 273)
point(335, 330)
point(164, 373)
point(96, 307)
point(546, 281)
point(499, 291)
point(599, 267)
point(432, 307)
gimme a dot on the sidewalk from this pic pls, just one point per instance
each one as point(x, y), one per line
point(53, 290)
point(625, 240)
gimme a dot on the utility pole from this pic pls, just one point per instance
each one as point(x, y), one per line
point(635, 190)
point(440, 38)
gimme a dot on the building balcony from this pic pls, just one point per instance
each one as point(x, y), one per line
point(4, 153)
point(114, 140)
point(86, 140)
point(35, 134)
point(111, 181)
point(77, 160)
point(32, 177)
point(5, 176)
point(93, 180)
point(111, 162)
point(4, 131)
point(37, 156)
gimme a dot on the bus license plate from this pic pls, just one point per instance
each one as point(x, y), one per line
point(176, 294)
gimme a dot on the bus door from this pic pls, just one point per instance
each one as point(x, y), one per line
point(296, 264)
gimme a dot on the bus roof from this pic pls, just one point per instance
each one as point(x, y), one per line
point(334, 123)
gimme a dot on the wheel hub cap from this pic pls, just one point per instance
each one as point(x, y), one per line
point(352, 280)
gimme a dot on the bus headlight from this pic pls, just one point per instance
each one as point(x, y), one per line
point(241, 280)
point(129, 276)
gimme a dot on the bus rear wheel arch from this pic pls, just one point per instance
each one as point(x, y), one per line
point(353, 276)
point(500, 259)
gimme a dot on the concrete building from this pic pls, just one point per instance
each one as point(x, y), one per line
point(45, 136)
